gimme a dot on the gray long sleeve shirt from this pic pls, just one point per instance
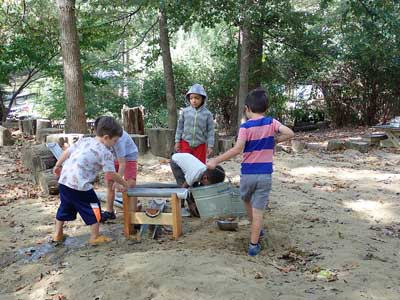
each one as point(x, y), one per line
point(196, 126)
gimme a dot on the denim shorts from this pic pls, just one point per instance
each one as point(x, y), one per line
point(255, 188)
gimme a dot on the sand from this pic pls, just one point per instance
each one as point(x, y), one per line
point(333, 232)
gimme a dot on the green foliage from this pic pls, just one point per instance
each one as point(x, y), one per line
point(348, 48)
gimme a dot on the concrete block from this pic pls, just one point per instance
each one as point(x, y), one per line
point(5, 137)
point(141, 141)
point(363, 147)
point(161, 141)
point(42, 133)
point(226, 143)
point(374, 138)
point(335, 145)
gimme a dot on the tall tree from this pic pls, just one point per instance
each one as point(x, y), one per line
point(28, 46)
point(73, 79)
point(168, 72)
point(244, 71)
point(255, 59)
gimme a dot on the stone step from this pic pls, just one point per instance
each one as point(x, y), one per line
point(361, 146)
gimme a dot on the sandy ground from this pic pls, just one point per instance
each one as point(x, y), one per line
point(333, 232)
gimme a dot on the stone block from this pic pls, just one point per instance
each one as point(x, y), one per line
point(5, 137)
point(386, 143)
point(42, 133)
point(141, 141)
point(64, 138)
point(225, 143)
point(374, 139)
point(161, 141)
point(10, 124)
point(284, 148)
point(298, 146)
point(335, 145)
point(41, 124)
point(316, 146)
point(360, 146)
point(27, 126)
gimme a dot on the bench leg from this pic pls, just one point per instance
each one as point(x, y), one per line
point(176, 217)
point(127, 215)
point(393, 138)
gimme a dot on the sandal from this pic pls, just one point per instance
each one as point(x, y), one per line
point(59, 239)
point(100, 240)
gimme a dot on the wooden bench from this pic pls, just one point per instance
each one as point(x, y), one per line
point(131, 216)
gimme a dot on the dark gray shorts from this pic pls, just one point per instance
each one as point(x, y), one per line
point(256, 188)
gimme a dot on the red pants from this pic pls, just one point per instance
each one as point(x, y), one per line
point(200, 151)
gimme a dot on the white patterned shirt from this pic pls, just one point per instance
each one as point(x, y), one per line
point(88, 157)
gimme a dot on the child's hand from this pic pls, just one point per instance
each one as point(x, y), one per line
point(177, 147)
point(57, 171)
point(123, 188)
point(115, 186)
point(118, 187)
point(210, 151)
point(211, 164)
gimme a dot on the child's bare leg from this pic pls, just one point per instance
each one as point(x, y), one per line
point(249, 210)
point(110, 196)
point(94, 231)
point(59, 230)
point(256, 225)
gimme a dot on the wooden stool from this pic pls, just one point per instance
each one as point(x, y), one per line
point(132, 217)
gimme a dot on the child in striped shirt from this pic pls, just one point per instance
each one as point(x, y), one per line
point(256, 139)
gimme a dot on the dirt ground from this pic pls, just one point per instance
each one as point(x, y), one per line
point(333, 232)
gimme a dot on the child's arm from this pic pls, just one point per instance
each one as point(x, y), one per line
point(114, 176)
point(121, 166)
point(179, 132)
point(285, 133)
point(237, 149)
point(210, 135)
point(57, 168)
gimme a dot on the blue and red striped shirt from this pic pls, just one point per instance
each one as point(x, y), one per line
point(258, 135)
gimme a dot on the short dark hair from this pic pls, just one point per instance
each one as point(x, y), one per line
point(257, 100)
point(107, 126)
point(216, 175)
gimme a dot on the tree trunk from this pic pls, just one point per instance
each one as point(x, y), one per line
point(3, 110)
point(133, 119)
point(232, 130)
point(244, 72)
point(168, 72)
point(75, 111)
point(255, 59)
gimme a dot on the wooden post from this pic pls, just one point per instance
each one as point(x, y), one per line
point(176, 217)
point(127, 215)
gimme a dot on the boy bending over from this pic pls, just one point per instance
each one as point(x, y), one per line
point(82, 163)
point(190, 171)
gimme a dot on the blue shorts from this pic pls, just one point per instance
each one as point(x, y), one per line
point(85, 203)
point(255, 188)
